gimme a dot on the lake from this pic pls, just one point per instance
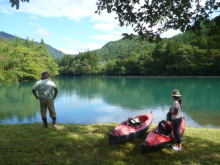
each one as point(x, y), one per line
point(113, 99)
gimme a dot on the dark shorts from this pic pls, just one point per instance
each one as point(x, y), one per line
point(47, 104)
point(169, 116)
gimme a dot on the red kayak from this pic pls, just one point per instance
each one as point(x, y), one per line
point(156, 139)
point(131, 128)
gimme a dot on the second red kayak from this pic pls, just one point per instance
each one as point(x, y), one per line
point(131, 128)
point(156, 140)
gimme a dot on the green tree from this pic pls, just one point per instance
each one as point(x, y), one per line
point(146, 64)
point(82, 64)
point(24, 60)
point(162, 15)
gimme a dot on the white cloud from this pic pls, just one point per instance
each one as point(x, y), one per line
point(104, 17)
point(5, 9)
point(107, 37)
point(69, 51)
point(35, 24)
point(117, 33)
point(76, 46)
point(69, 41)
point(93, 46)
point(33, 17)
point(73, 9)
point(43, 33)
point(104, 26)
point(170, 33)
point(40, 30)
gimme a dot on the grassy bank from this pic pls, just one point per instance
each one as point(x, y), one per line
point(88, 145)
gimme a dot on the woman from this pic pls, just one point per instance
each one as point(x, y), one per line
point(175, 118)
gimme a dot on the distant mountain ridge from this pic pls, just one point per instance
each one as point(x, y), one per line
point(6, 35)
point(53, 51)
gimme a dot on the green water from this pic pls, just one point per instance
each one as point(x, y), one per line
point(113, 99)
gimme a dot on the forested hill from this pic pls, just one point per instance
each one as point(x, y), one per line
point(53, 51)
point(194, 53)
point(123, 48)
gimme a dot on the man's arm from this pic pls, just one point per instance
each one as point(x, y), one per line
point(35, 93)
point(55, 94)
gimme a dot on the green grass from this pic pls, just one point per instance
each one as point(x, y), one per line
point(73, 144)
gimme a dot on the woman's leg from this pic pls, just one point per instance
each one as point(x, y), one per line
point(176, 131)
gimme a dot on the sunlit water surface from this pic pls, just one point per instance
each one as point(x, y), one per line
point(113, 99)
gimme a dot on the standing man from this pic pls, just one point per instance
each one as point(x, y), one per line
point(46, 91)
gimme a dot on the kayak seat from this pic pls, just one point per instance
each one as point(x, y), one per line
point(135, 122)
point(143, 118)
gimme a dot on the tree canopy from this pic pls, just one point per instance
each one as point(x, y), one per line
point(16, 3)
point(24, 60)
point(150, 18)
point(82, 64)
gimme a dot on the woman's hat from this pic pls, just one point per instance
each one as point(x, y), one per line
point(176, 93)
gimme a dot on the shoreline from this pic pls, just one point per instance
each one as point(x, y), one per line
point(92, 124)
point(159, 76)
point(113, 76)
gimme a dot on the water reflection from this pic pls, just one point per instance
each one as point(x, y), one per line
point(17, 103)
point(112, 99)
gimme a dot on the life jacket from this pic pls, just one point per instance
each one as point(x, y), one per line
point(164, 127)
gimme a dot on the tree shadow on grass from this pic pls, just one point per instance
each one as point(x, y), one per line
point(88, 145)
point(93, 147)
point(196, 151)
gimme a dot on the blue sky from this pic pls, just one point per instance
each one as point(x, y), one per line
point(68, 25)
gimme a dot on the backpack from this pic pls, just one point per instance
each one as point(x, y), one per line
point(164, 128)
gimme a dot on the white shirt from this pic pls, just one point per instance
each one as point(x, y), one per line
point(175, 109)
point(45, 89)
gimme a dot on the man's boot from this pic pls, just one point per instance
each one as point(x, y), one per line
point(45, 122)
point(54, 120)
